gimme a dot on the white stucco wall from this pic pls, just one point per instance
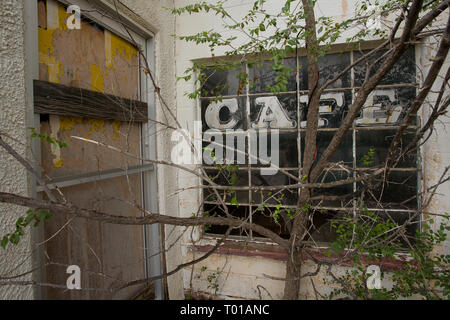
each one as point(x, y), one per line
point(13, 121)
point(238, 276)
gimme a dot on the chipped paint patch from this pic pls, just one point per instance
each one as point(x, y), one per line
point(62, 18)
point(66, 123)
point(116, 126)
point(96, 124)
point(45, 43)
point(58, 164)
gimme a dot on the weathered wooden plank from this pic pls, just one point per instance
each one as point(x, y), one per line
point(57, 99)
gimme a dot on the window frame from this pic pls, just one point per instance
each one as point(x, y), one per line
point(340, 48)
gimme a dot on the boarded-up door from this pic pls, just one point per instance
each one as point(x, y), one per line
point(95, 59)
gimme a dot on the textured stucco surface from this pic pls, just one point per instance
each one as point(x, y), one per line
point(13, 178)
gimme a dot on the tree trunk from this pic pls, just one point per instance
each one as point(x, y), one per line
point(294, 262)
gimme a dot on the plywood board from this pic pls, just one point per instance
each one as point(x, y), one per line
point(94, 59)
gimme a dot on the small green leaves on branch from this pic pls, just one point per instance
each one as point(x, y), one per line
point(34, 216)
point(53, 142)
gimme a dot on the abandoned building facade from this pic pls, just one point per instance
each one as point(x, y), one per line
point(110, 117)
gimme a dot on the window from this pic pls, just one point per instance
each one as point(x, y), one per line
point(253, 108)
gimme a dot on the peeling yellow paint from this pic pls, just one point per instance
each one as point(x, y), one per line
point(67, 123)
point(55, 68)
point(57, 163)
point(45, 44)
point(97, 79)
point(62, 18)
point(116, 126)
point(97, 125)
point(122, 48)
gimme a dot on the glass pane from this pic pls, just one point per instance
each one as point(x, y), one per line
point(230, 113)
point(276, 112)
point(226, 83)
point(227, 178)
point(404, 71)
point(333, 108)
point(241, 212)
point(344, 152)
point(262, 74)
point(236, 148)
point(400, 191)
point(279, 148)
point(331, 66)
point(386, 107)
point(372, 147)
point(274, 197)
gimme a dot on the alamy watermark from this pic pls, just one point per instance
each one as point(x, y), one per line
point(374, 281)
point(74, 280)
point(73, 22)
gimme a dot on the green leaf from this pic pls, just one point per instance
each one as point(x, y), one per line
point(4, 242)
point(14, 238)
point(234, 201)
point(234, 179)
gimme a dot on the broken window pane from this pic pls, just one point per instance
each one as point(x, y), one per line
point(278, 196)
point(223, 82)
point(262, 75)
point(331, 65)
point(228, 177)
point(404, 71)
point(216, 210)
point(372, 147)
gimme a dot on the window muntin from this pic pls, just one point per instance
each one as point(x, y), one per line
point(373, 130)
